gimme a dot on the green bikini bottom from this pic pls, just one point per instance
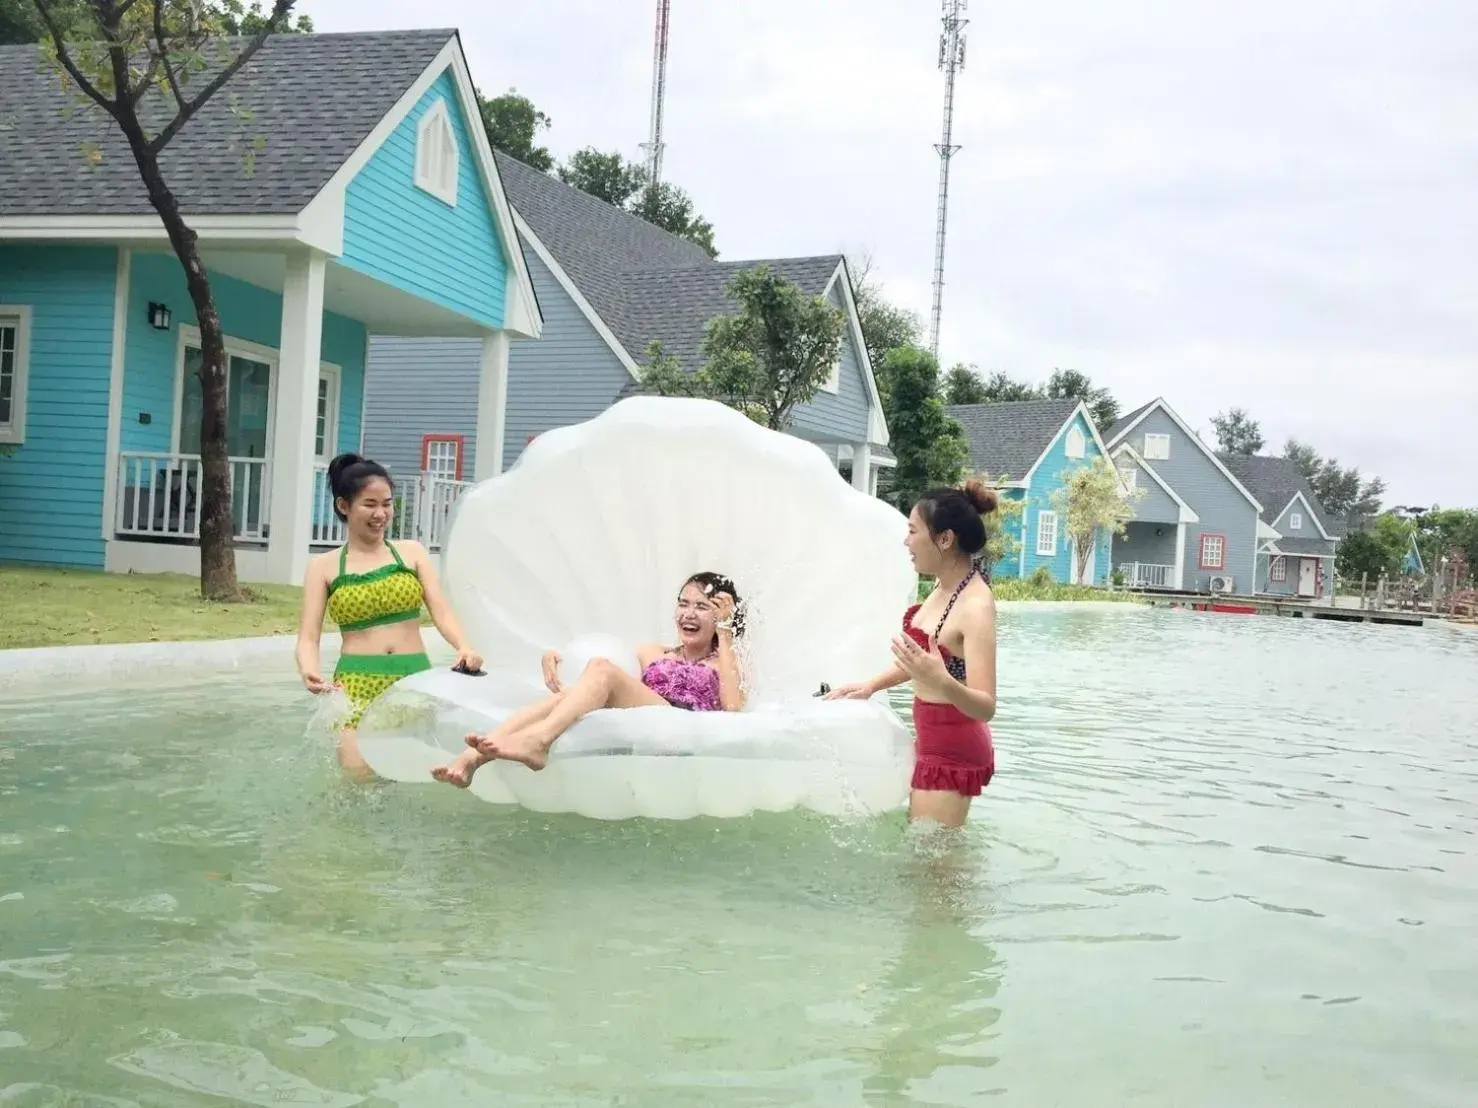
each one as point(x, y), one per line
point(365, 677)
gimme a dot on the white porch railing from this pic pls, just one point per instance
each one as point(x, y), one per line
point(423, 509)
point(1145, 575)
point(159, 496)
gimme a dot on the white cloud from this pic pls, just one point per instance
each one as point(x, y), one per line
point(1231, 202)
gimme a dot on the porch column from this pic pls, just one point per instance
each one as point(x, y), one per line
point(861, 466)
point(492, 405)
point(1179, 580)
point(290, 470)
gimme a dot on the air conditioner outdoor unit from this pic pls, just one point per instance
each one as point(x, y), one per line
point(1221, 584)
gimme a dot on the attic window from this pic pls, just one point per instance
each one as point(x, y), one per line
point(1130, 477)
point(1077, 443)
point(1296, 521)
point(1156, 448)
point(437, 159)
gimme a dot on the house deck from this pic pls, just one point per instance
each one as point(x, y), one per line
point(1271, 606)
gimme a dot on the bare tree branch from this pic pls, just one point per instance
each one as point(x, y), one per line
point(163, 57)
point(280, 10)
point(43, 8)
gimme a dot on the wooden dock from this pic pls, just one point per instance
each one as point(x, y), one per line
point(1271, 606)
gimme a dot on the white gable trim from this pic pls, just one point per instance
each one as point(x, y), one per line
point(590, 314)
point(1080, 410)
point(1158, 404)
point(1300, 498)
point(877, 423)
point(1187, 513)
point(239, 230)
point(520, 308)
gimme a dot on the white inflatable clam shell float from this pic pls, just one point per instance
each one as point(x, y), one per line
point(583, 546)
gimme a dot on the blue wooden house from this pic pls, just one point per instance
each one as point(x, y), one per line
point(608, 284)
point(1024, 448)
point(1199, 528)
point(1299, 561)
point(373, 207)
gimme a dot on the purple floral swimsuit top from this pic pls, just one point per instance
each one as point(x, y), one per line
point(690, 685)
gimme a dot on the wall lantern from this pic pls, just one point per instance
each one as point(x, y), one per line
point(158, 316)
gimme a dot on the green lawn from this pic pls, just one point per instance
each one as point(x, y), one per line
point(1010, 588)
point(59, 607)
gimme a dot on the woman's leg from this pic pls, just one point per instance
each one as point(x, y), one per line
point(350, 760)
point(460, 769)
point(603, 685)
point(946, 808)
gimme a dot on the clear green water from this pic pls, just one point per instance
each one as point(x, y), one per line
point(1227, 861)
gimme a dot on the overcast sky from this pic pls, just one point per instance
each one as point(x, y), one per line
point(1260, 203)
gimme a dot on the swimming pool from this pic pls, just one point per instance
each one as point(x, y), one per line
point(1226, 861)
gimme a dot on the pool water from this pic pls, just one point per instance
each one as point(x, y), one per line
point(1225, 861)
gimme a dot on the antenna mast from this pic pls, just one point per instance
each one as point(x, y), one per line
point(951, 60)
point(654, 144)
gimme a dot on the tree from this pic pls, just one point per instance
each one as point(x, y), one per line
point(885, 326)
point(19, 22)
point(1237, 432)
point(1001, 529)
point(930, 446)
point(607, 177)
point(1002, 389)
point(117, 53)
point(962, 385)
point(1092, 498)
point(513, 124)
point(239, 19)
point(1342, 490)
point(623, 184)
point(772, 355)
point(1069, 384)
point(669, 207)
point(1365, 554)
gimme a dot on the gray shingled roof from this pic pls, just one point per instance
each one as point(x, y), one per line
point(1006, 439)
point(311, 98)
point(1275, 481)
point(1122, 425)
point(1305, 546)
point(642, 281)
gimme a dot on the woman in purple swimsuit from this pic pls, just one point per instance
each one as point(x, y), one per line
point(699, 674)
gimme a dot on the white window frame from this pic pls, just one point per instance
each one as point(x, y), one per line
point(331, 373)
point(1046, 535)
point(1205, 563)
point(438, 161)
point(190, 336)
point(1278, 570)
point(1156, 447)
point(1075, 444)
point(18, 317)
point(448, 439)
point(1296, 521)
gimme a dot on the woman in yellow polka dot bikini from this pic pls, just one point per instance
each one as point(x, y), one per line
point(373, 589)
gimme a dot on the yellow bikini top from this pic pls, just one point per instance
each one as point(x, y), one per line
point(389, 594)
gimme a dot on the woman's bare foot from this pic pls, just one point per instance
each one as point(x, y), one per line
point(526, 745)
point(460, 769)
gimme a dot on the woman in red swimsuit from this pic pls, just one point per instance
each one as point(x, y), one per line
point(948, 651)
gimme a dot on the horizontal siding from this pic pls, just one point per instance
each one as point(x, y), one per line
point(1154, 504)
point(567, 376)
point(1140, 542)
point(1224, 511)
point(417, 387)
point(249, 313)
point(429, 386)
point(51, 487)
point(840, 416)
point(407, 238)
point(1044, 483)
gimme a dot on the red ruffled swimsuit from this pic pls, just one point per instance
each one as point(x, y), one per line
point(952, 751)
